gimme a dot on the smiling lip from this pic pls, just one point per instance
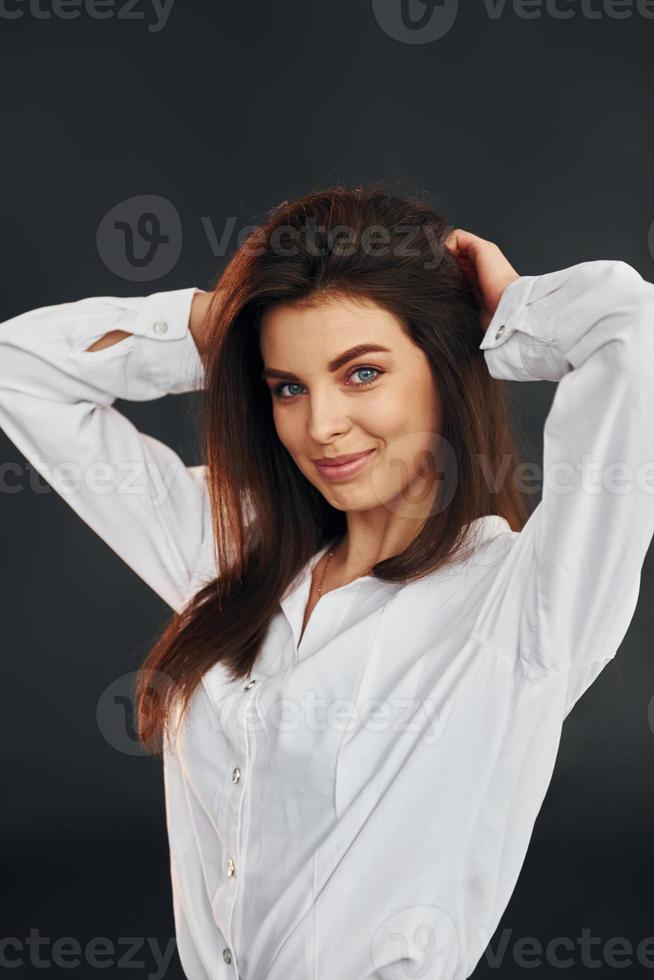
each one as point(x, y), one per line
point(338, 460)
point(333, 470)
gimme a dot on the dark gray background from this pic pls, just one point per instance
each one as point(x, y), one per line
point(534, 132)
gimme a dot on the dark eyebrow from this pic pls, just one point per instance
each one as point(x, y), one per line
point(338, 362)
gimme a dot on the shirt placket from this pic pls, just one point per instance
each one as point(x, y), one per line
point(228, 893)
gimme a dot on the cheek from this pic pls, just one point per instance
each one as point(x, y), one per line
point(388, 416)
point(424, 403)
point(409, 407)
point(286, 428)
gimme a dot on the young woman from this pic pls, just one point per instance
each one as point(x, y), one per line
point(359, 697)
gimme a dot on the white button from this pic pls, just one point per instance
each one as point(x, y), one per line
point(160, 326)
point(499, 332)
point(249, 685)
point(236, 775)
point(227, 956)
point(231, 868)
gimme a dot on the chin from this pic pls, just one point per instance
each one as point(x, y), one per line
point(353, 499)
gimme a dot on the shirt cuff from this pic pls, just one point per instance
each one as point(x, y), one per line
point(174, 364)
point(514, 345)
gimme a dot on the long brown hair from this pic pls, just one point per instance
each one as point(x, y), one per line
point(268, 520)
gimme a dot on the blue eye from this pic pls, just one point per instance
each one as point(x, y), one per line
point(296, 384)
point(356, 371)
point(291, 384)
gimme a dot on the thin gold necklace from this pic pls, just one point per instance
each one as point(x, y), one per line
point(330, 555)
point(324, 572)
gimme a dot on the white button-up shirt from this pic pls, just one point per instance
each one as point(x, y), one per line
point(362, 805)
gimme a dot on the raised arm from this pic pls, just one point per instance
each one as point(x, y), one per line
point(61, 369)
point(196, 323)
point(565, 594)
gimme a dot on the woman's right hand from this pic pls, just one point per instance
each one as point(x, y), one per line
point(486, 268)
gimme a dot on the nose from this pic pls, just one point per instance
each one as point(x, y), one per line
point(327, 417)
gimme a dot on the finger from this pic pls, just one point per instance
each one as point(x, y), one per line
point(468, 268)
point(456, 243)
point(462, 242)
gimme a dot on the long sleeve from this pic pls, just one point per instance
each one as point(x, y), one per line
point(56, 405)
point(566, 591)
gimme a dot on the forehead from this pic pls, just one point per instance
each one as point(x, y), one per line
point(322, 330)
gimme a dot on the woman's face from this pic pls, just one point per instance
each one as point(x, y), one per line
point(326, 404)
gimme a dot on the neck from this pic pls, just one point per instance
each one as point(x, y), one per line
point(354, 555)
point(380, 532)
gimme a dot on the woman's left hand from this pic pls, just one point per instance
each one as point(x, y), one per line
point(485, 267)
